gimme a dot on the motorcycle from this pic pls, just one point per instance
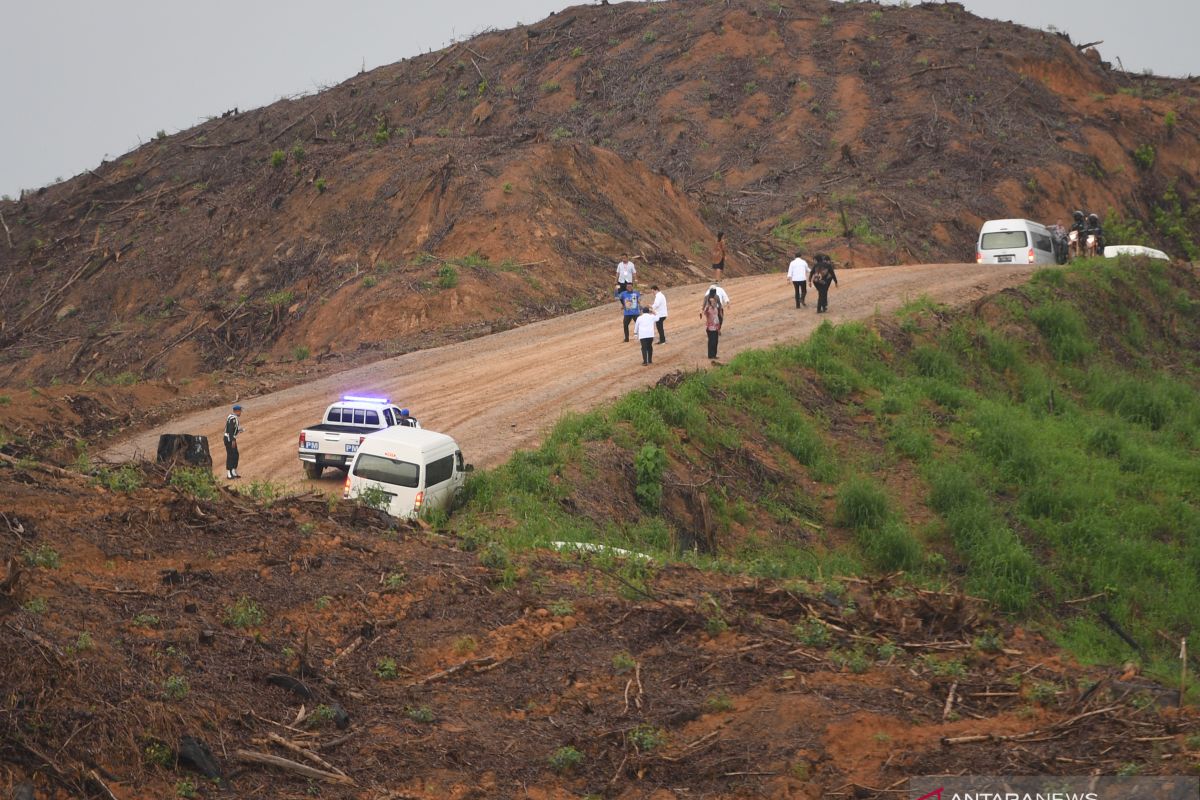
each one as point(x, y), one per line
point(1073, 244)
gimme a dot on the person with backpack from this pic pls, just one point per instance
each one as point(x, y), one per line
point(713, 314)
point(823, 277)
point(630, 300)
point(233, 427)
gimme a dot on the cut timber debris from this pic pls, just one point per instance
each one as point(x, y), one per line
point(292, 766)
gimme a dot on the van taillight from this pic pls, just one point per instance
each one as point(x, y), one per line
point(978, 258)
point(1032, 258)
point(360, 439)
point(346, 488)
point(420, 498)
point(302, 438)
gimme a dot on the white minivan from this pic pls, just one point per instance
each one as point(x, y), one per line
point(1014, 241)
point(416, 469)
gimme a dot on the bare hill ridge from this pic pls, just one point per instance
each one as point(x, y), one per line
point(496, 181)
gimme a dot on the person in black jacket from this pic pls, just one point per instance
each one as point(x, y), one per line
point(1094, 228)
point(823, 275)
point(233, 427)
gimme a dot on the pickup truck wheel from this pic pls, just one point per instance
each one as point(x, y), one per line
point(311, 470)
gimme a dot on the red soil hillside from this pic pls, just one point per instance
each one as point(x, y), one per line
point(498, 180)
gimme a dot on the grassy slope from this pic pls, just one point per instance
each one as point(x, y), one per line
point(1038, 449)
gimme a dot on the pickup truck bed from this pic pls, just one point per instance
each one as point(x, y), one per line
point(334, 441)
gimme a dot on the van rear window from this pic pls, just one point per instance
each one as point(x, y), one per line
point(1003, 240)
point(387, 470)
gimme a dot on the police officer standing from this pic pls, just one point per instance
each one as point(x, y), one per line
point(233, 427)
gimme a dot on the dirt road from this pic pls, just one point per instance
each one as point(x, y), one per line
point(501, 392)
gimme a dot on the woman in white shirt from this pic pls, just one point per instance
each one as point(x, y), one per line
point(644, 329)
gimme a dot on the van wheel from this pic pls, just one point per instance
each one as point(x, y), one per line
point(312, 471)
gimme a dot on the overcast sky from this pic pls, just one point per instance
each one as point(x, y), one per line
point(84, 80)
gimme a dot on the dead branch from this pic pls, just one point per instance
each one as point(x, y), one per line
point(1086, 45)
point(161, 353)
point(439, 59)
point(292, 766)
point(53, 470)
point(94, 777)
point(474, 663)
point(39, 640)
point(291, 746)
point(216, 146)
point(353, 645)
point(90, 342)
point(1057, 727)
point(7, 232)
point(949, 701)
point(482, 77)
point(934, 69)
point(474, 53)
point(1085, 599)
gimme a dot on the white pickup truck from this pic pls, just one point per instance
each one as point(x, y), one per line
point(335, 441)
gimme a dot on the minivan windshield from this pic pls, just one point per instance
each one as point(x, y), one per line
point(1004, 240)
point(387, 470)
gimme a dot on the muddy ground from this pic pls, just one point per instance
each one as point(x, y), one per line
point(398, 664)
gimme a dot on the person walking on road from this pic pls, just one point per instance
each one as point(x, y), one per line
point(644, 328)
point(626, 273)
point(722, 295)
point(798, 275)
point(660, 312)
point(630, 300)
point(823, 277)
point(713, 314)
point(233, 427)
point(719, 257)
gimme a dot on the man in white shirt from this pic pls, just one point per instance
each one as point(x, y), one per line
point(798, 275)
point(721, 294)
point(659, 307)
point(626, 273)
point(644, 328)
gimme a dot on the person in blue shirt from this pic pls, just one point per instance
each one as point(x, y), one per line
point(631, 306)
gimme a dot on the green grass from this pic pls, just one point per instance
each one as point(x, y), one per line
point(1054, 447)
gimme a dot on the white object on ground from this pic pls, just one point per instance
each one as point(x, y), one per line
point(591, 547)
point(1114, 250)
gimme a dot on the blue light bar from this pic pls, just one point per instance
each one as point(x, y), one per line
point(353, 398)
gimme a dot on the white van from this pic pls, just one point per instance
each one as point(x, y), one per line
point(1014, 241)
point(416, 469)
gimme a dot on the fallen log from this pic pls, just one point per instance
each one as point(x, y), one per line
point(293, 766)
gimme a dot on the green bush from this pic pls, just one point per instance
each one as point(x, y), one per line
point(862, 503)
point(244, 613)
point(278, 158)
point(564, 759)
point(649, 464)
point(176, 687)
point(646, 737)
point(126, 479)
point(447, 277)
point(1144, 155)
point(44, 556)
point(196, 482)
